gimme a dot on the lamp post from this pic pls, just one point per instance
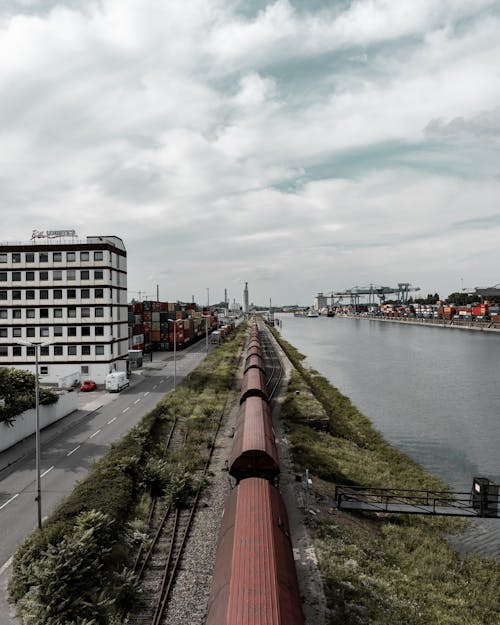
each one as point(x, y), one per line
point(174, 321)
point(37, 430)
point(206, 333)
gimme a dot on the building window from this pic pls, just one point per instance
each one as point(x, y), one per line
point(72, 311)
point(16, 276)
point(71, 331)
point(71, 257)
point(57, 293)
point(98, 293)
point(16, 332)
point(44, 313)
point(16, 258)
point(99, 350)
point(71, 350)
point(30, 332)
point(71, 293)
point(85, 350)
point(58, 350)
point(30, 313)
point(57, 274)
point(30, 257)
point(44, 275)
point(30, 294)
point(44, 294)
point(99, 331)
point(85, 312)
point(3, 258)
point(57, 257)
point(98, 274)
point(4, 350)
point(16, 294)
point(58, 331)
point(84, 256)
point(3, 294)
point(85, 274)
point(98, 255)
point(44, 351)
point(30, 351)
point(3, 333)
point(3, 313)
point(44, 332)
point(30, 276)
point(17, 350)
point(58, 313)
point(3, 276)
point(84, 369)
point(85, 330)
point(44, 370)
point(71, 274)
point(85, 293)
point(16, 313)
point(99, 312)
point(44, 257)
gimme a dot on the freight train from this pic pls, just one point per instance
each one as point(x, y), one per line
point(255, 581)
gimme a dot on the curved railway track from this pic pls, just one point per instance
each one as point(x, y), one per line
point(272, 361)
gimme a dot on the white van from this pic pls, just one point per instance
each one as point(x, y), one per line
point(116, 381)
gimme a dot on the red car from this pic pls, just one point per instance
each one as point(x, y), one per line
point(88, 385)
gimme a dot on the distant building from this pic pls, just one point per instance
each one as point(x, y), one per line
point(245, 299)
point(320, 301)
point(70, 293)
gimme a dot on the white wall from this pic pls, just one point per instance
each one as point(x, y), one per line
point(25, 423)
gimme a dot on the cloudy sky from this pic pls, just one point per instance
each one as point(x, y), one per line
point(299, 145)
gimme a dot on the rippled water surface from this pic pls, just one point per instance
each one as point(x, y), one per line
point(433, 392)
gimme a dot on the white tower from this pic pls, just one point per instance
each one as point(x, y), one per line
point(245, 299)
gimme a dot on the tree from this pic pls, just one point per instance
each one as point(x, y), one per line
point(17, 392)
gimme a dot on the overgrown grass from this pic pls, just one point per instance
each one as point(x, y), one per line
point(380, 570)
point(115, 497)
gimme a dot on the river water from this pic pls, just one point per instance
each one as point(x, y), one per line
point(434, 393)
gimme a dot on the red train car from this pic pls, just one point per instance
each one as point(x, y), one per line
point(254, 385)
point(254, 582)
point(254, 360)
point(254, 451)
point(254, 343)
point(254, 350)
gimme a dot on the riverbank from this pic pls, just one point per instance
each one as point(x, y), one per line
point(378, 569)
point(475, 326)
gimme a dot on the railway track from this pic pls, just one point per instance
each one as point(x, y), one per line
point(156, 567)
point(272, 361)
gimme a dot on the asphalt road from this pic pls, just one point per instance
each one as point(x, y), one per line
point(70, 448)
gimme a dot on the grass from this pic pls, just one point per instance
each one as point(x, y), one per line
point(379, 569)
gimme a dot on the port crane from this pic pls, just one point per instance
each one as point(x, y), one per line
point(373, 291)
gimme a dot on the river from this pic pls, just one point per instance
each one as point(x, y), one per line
point(433, 393)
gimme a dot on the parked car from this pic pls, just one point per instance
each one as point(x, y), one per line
point(88, 385)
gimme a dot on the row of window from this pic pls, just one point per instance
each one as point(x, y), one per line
point(57, 313)
point(56, 294)
point(44, 257)
point(53, 350)
point(43, 332)
point(55, 274)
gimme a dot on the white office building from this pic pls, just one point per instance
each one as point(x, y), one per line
point(69, 295)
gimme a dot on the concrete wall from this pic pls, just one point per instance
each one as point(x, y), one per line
point(25, 423)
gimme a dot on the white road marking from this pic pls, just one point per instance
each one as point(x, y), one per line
point(146, 393)
point(47, 471)
point(6, 565)
point(111, 420)
point(73, 450)
point(155, 386)
point(137, 400)
point(128, 408)
point(9, 500)
point(94, 434)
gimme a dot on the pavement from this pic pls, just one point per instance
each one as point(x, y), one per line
point(86, 403)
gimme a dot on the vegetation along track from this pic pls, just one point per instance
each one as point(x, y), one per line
point(169, 521)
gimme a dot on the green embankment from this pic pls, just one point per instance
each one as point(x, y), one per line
point(397, 570)
point(76, 569)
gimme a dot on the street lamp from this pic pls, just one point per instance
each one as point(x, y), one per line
point(206, 332)
point(174, 321)
point(37, 428)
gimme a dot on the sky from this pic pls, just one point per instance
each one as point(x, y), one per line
point(299, 146)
